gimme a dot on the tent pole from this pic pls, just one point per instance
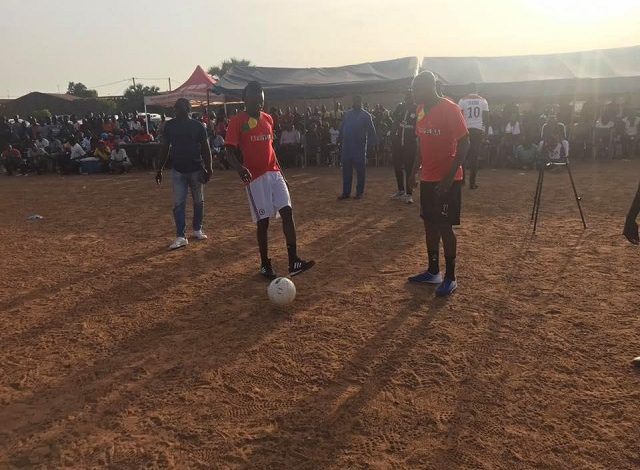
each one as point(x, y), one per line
point(146, 116)
point(208, 104)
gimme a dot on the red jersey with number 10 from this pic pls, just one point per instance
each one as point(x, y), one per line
point(438, 133)
point(254, 138)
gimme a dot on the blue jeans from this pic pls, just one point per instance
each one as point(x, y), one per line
point(181, 184)
point(348, 163)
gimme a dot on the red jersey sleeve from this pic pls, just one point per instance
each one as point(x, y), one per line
point(457, 123)
point(233, 132)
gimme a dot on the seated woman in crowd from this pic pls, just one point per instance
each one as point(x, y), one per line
point(103, 153)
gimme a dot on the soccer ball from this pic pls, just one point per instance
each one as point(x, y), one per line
point(281, 291)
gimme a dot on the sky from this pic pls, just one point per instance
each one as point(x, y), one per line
point(48, 43)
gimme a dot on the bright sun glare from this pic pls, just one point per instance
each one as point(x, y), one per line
point(586, 10)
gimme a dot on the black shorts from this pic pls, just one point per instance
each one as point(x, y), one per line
point(437, 211)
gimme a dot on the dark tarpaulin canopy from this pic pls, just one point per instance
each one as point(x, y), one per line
point(326, 82)
point(606, 71)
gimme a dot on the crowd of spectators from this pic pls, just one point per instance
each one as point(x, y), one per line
point(597, 131)
point(99, 143)
point(68, 144)
point(311, 137)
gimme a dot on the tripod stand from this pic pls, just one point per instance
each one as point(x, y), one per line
point(538, 196)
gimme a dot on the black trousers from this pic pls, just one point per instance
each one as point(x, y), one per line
point(476, 137)
point(404, 157)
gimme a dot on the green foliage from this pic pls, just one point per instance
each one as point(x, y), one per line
point(134, 96)
point(81, 90)
point(41, 114)
point(225, 65)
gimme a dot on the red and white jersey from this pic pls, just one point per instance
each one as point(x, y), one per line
point(472, 107)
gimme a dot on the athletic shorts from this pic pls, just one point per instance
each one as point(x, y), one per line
point(267, 195)
point(440, 211)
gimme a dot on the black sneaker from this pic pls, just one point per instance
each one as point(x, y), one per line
point(300, 266)
point(342, 197)
point(266, 270)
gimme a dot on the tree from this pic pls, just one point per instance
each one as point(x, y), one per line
point(134, 95)
point(41, 114)
point(80, 89)
point(225, 65)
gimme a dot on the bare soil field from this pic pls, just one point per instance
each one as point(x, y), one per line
point(115, 353)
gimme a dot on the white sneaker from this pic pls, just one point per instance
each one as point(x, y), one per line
point(398, 195)
point(408, 199)
point(199, 235)
point(179, 243)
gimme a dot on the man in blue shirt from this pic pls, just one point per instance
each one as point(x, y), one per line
point(357, 133)
point(185, 141)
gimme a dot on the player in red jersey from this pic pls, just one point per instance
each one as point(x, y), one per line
point(250, 142)
point(443, 142)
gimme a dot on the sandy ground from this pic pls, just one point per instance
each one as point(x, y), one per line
point(117, 354)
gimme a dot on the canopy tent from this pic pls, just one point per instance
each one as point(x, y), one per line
point(606, 71)
point(317, 83)
point(197, 90)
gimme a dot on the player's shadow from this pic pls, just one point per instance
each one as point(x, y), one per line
point(151, 348)
point(51, 291)
point(335, 410)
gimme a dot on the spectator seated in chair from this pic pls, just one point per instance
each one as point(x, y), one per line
point(12, 160)
point(142, 137)
point(119, 161)
point(554, 150)
point(103, 153)
point(218, 150)
point(38, 156)
point(527, 155)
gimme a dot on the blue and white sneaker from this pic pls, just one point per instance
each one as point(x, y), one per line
point(447, 288)
point(426, 278)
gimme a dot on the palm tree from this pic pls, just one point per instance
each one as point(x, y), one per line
point(225, 65)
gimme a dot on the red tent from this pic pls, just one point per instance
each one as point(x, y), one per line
point(197, 90)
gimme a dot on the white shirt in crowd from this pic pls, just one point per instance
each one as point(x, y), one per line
point(41, 143)
point(77, 152)
point(512, 128)
point(472, 107)
point(631, 126)
point(604, 125)
point(335, 133)
point(560, 151)
point(217, 143)
point(86, 144)
point(119, 155)
point(289, 137)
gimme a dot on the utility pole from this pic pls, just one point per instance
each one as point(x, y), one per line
point(134, 81)
point(169, 83)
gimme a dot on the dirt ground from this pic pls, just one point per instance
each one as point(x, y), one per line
point(118, 354)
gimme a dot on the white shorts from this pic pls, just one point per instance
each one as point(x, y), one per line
point(267, 195)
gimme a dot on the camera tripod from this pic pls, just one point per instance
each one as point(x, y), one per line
point(538, 196)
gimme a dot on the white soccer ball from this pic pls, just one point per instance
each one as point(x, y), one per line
point(281, 291)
